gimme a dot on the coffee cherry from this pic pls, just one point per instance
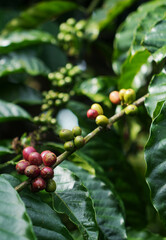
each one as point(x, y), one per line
point(27, 151)
point(21, 166)
point(121, 94)
point(35, 158)
point(77, 131)
point(79, 141)
point(102, 120)
point(66, 135)
point(114, 97)
point(129, 96)
point(38, 184)
point(69, 146)
point(98, 108)
point(50, 185)
point(47, 173)
point(92, 114)
point(32, 171)
point(49, 159)
point(44, 153)
point(131, 109)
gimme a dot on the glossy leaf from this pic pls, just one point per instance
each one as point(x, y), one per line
point(15, 222)
point(14, 63)
point(40, 13)
point(143, 235)
point(10, 111)
point(19, 39)
point(73, 199)
point(4, 150)
point(156, 163)
point(157, 93)
point(107, 205)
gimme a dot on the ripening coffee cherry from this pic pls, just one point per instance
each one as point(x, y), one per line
point(102, 120)
point(44, 153)
point(35, 158)
point(47, 173)
point(50, 185)
point(77, 131)
point(129, 96)
point(32, 171)
point(49, 159)
point(27, 151)
point(79, 141)
point(92, 114)
point(131, 109)
point(38, 184)
point(121, 94)
point(98, 108)
point(114, 97)
point(69, 146)
point(21, 166)
point(66, 135)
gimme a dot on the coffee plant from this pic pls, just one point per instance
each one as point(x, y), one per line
point(83, 120)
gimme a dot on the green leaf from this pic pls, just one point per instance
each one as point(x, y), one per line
point(15, 222)
point(156, 38)
point(39, 13)
point(157, 94)
point(20, 39)
point(143, 235)
point(72, 198)
point(22, 62)
point(4, 150)
point(10, 111)
point(156, 163)
point(107, 205)
point(19, 93)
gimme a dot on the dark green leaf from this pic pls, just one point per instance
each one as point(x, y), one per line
point(15, 222)
point(143, 235)
point(72, 198)
point(10, 111)
point(4, 150)
point(19, 39)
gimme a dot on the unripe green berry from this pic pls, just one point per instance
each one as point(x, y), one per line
point(66, 135)
point(79, 141)
point(98, 108)
point(129, 96)
point(80, 25)
point(69, 66)
point(58, 75)
point(61, 36)
point(102, 120)
point(68, 37)
point(121, 94)
point(77, 131)
point(131, 109)
point(71, 21)
point(68, 79)
point(69, 146)
point(50, 185)
point(58, 102)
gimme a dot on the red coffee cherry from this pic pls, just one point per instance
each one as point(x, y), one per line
point(114, 97)
point(32, 171)
point(92, 114)
point(49, 159)
point(38, 184)
point(44, 153)
point(21, 166)
point(35, 158)
point(27, 151)
point(47, 173)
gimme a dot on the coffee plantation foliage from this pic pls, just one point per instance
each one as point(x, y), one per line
point(57, 58)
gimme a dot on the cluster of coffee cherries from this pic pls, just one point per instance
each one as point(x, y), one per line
point(96, 113)
point(71, 35)
point(72, 138)
point(125, 97)
point(37, 167)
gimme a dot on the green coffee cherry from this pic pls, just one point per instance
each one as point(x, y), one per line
point(71, 21)
point(50, 185)
point(69, 146)
point(98, 108)
point(102, 120)
point(131, 109)
point(66, 135)
point(129, 96)
point(121, 94)
point(79, 141)
point(77, 131)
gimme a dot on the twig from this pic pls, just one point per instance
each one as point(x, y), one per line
point(11, 162)
point(87, 138)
